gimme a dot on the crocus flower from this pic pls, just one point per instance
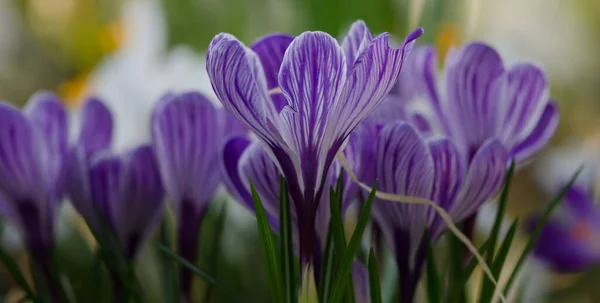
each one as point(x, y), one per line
point(187, 134)
point(480, 100)
point(244, 160)
point(328, 90)
point(407, 164)
point(126, 191)
point(33, 146)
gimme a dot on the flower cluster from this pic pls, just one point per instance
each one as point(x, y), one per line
point(290, 105)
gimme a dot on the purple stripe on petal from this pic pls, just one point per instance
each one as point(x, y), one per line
point(270, 50)
point(96, 126)
point(485, 177)
point(77, 184)
point(540, 135)
point(355, 42)
point(257, 166)
point(141, 200)
point(526, 98)
point(473, 78)
point(22, 157)
point(239, 82)
point(105, 179)
point(235, 184)
point(46, 112)
point(311, 78)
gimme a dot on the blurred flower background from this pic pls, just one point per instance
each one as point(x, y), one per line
point(131, 52)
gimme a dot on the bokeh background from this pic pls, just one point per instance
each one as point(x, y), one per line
point(130, 52)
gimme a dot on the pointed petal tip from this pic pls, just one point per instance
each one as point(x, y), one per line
point(414, 35)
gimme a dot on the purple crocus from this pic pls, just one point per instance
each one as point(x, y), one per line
point(33, 145)
point(126, 191)
point(480, 99)
point(328, 89)
point(244, 160)
point(408, 164)
point(187, 134)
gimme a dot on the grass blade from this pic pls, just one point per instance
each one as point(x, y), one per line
point(215, 249)
point(456, 285)
point(374, 283)
point(433, 280)
point(500, 214)
point(201, 273)
point(348, 257)
point(326, 275)
point(487, 288)
point(538, 230)
point(287, 249)
point(268, 247)
point(15, 272)
point(169, 277)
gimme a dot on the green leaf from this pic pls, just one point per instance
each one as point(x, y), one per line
point(348, 257)
point(202, 274)
point(15, 272)
point(456, 272)
point(327, 269)
point(456, 285)
point(268, 247)
point(487, 289)
point(374, 283)
point(538, 230)
point(169, 276)
point(433, 280)
point(287, 249)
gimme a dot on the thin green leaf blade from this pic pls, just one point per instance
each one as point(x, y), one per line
point(327, 269)
point(433, 280)
point(169, 277)
point(202, 273)
point(15, 272)
point(268, 247)
point(538, 230)
point(287, 249)
point(374, 282)
point(348, 257)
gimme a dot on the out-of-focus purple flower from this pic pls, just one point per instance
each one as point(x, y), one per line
point(327, 89)
point(187, 133)
point(126, 191)
point(570, 240)
point(33, 146)
point(479, 99)
point(407, 164)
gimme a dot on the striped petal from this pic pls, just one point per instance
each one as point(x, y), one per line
point(355, 42)
point(105, 178)
point(474, 78)
point(238, 79)
point(539, 136)
point(77, 184)
point(312, 75)
point(141, 199)
point(270, 50)
point(230, 159)
point(484, 179)
point(187, 147)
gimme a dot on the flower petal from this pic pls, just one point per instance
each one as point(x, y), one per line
point(485, 177)
point(270, 50)
point(46, 112)
point(540, 135)
point(77, 184)
point(311, 78)
point(404, 166)
point(23, 174)
point(373, 76)
point(239, 82)
point(187, 147)
point(527, 96)
point(233, 181)
point(450, 171)
point(96, 126)
point(356, 41)
point(474, 80)
point(141, 201)
point(105, 178)
point(360, 280)
point(257, 166)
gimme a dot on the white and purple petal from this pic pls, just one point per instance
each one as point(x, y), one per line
point(355, 42)
point(484, 179)
point(539, 136)
point(233, 181)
